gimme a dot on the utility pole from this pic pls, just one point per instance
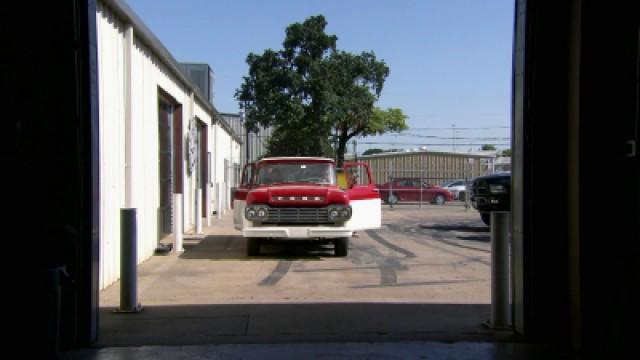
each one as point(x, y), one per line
point(454, 136)
point(355, 150)
point(247, 155)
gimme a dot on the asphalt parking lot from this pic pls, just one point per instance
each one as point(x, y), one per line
point(432, 254)
point(424, 275)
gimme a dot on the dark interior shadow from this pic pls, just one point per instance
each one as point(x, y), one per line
point(248, 323)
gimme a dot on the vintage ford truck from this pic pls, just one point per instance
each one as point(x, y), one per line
point(305, 199)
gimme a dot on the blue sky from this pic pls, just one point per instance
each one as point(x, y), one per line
point(450, 60)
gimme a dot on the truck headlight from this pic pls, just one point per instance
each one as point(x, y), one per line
point(256, 212)
point(497, 189)
point(339, 213)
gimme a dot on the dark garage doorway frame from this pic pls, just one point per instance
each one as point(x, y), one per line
point(548, 36)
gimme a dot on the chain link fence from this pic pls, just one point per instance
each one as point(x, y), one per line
point(427, 178)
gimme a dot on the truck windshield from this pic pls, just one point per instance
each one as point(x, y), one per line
point(316, 173)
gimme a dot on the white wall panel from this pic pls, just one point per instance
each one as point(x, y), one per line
point(148, 74)
point(110, 34)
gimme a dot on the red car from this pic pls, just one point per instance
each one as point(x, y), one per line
point(413, 189)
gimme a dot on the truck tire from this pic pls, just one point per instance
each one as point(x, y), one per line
point(341, 247)
point(253, 247)
point(486, 218)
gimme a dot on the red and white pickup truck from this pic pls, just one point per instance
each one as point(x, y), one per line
point(303, 198)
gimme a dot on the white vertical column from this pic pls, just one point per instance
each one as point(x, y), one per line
point(219, 201)
point(177, 223)
point(193, 180)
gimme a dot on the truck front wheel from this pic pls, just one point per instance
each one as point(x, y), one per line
point(341, 246)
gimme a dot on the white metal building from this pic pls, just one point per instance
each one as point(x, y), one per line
point(160, 141)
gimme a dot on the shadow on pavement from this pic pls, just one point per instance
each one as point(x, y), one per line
point(234, 247)
point(295, 322)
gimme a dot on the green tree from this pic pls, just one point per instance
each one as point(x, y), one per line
point(356, 84)
point(297, 141)
point(488, 147)
point(309, 91)
point(288, 89)
point(506, 152)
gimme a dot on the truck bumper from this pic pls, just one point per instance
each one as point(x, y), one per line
point(293, 232)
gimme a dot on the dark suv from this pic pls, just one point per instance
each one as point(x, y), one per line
point(491, 193)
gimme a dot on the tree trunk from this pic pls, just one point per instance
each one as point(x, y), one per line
point(342, 147)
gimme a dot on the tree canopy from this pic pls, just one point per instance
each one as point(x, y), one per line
point(310, 92)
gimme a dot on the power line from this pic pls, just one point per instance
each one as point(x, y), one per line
point(448, 138)
point(460, 128)
point(426, 144)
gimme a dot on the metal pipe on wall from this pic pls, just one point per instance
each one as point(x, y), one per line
point(177, 223)
point(199, 211)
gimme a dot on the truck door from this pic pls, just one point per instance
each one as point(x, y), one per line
point(364, 197)
point(240, 195)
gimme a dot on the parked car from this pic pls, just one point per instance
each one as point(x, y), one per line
point(457, 187)
point(491, 193)
point(413, 189)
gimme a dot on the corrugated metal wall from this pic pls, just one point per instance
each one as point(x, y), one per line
point(110, 33)
point(148, 74)
point(222, 155)
point(438, 167)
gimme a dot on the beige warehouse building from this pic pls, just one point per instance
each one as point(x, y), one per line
point(434, 166)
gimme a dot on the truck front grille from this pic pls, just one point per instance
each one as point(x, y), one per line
point(298, 216)
point(480, 187)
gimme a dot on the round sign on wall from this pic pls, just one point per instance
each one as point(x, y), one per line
point(192, 146)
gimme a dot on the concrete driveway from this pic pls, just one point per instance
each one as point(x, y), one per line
point(426, 272)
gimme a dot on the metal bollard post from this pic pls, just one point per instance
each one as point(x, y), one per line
point(500, 270)
point(199, 211)
point(128, 262)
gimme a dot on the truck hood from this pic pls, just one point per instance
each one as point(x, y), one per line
point(297, 196)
